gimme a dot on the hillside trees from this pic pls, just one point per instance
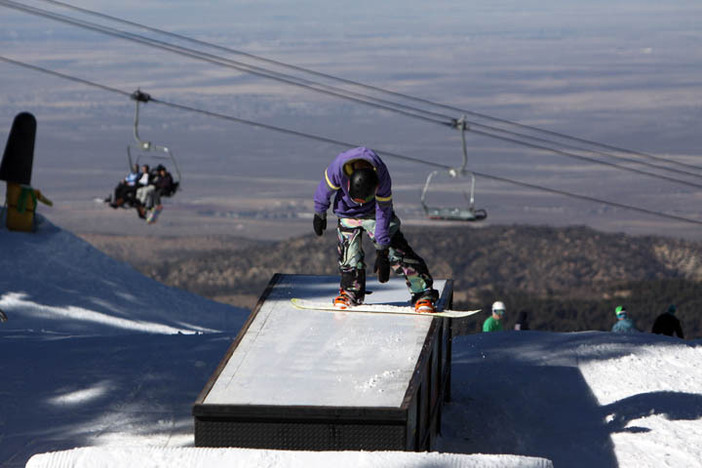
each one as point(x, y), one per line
point(569, 279)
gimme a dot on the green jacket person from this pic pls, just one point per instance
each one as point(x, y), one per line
point(494, 322)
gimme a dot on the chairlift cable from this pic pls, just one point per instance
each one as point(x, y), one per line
point(565, 136)
point(390, 92)
point(593, 160)
point(64, 76)
point(588, 198)
point(291, 132)
point(210, 113)
point(361, 98)
point(570, 147)
point(346, 144)
point(214, 59)
point(428, 163)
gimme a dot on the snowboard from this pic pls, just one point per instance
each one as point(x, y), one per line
point(3, 317)
point(378, 309)
point(152, 216)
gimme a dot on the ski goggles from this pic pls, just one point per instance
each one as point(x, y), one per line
point(362, 201)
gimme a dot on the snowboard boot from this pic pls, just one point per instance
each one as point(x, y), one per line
point(345, 300)
point(425, 301)
point(425, 306)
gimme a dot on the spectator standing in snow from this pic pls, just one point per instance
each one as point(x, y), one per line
point(522, 321)
point(668, 324)
point(494, 322)
point(624, 323)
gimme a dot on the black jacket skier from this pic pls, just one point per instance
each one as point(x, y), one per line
point(667, 324)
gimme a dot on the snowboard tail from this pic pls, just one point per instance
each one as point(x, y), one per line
point(378, 309)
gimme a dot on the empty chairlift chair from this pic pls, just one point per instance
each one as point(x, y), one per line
point(464, 212)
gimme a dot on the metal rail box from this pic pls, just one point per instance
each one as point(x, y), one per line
point(312, 380)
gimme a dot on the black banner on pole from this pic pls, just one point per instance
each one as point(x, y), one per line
point(18, 158)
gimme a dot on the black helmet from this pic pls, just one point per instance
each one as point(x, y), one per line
point(362, 185)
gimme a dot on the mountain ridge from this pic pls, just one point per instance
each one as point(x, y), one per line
point(546, 267)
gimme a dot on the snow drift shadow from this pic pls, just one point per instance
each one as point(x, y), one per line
point(69, 392)
point(552, 413)
point(672, 405)
point(533, 420)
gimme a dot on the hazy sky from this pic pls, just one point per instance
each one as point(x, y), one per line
point(625, 73)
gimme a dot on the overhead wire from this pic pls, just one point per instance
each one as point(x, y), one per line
point(604, 163)
point(64, 76)
point(433, 117)
point(217, 60)
point(214, 114)
point(347, 144)
point(396, 94)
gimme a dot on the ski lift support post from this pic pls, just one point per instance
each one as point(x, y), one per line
point(455, 213)
point(140, 97)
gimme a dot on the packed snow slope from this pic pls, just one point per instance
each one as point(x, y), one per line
point(53, 281)
point(97, 357)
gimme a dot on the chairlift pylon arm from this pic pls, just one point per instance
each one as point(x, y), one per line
point(462, 125)
point(423, 196)
point(138, 96)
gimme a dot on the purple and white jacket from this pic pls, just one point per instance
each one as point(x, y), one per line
point(336, 181)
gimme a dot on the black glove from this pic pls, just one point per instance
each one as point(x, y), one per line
point(382, 265)
point(319, 223)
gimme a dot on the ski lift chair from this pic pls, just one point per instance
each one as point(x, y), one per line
point(466, 212)
point(146, 149)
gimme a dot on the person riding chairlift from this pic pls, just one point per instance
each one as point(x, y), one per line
point(160, 184)
point(126, 188)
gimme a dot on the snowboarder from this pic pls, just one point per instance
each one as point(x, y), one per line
point(668, 324)
point(494, 322)
point(624, 324)
point(361, 185)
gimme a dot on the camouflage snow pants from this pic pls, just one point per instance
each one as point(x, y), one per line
point(403, 260)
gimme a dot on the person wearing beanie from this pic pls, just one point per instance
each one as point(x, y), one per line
point(668, 324)
point(624, 324)
point(494, 322)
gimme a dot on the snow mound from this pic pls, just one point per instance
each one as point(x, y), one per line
point(209, 458)
point(100, 357)
point(54, 281)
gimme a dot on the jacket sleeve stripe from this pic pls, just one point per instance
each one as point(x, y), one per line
point(329, 182)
